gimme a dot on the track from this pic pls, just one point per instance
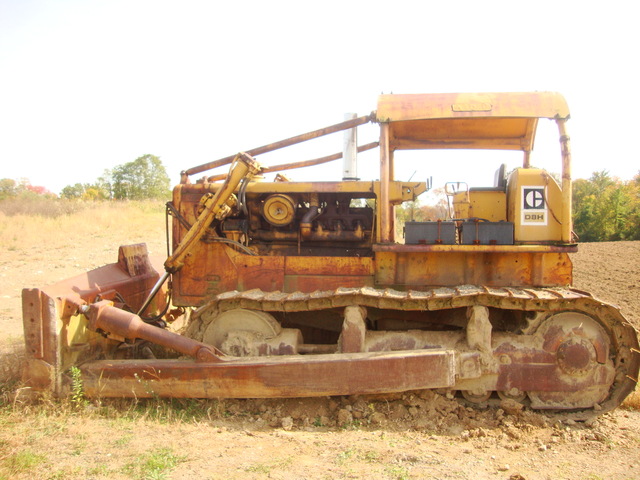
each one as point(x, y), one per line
point(543, 303)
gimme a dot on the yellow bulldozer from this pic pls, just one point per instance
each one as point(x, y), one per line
point(295, 289)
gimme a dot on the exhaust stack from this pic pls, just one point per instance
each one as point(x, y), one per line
point(350, 151)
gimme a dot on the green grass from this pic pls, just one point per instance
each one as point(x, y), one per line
point(344, 456)
point(397, 472)
point(154, 465)
point(123, 441)
point(22, 462)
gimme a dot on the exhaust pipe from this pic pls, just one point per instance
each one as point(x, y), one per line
point(350, 151)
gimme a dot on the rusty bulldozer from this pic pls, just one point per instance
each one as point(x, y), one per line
point(295, 289)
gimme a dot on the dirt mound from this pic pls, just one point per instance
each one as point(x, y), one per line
point(423, 410)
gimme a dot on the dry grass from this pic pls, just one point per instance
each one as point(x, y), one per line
point(632, 402)
point(40, 206)
point(11, 364)
point(23, 226)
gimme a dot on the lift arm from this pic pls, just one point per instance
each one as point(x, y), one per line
point(243, 166)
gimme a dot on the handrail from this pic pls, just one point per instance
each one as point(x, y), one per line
point(300, 164)
point(283, 143)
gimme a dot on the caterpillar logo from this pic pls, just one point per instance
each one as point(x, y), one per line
point(534, 206)
point(533, 198)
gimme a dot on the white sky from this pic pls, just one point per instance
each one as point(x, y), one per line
point(87, 85)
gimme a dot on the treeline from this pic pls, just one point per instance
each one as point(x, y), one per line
point(606, 208)
point(10, 188)
point(144, 178)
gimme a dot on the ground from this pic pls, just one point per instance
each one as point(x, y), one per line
point(414, 435)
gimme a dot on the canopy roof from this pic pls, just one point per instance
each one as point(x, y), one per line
point(501, 121)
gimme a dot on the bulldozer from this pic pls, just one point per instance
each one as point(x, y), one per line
point(281, 288)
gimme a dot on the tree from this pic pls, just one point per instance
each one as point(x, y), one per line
point(416, 212)
point(143, 178)
point(103, 186)
point(8, 188)
point(95, 192)
point(73, 191)
point(606, 209)
point(99, 190)
point(631, 229)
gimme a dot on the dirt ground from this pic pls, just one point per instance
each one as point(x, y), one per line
point(415, 435)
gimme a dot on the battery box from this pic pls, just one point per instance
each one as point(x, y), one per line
point(430, 233)
point(486, 233)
